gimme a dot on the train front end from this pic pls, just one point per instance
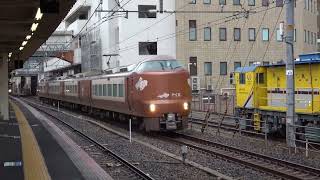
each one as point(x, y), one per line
point(162, 94)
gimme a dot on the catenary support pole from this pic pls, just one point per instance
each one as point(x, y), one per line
point(290, 116)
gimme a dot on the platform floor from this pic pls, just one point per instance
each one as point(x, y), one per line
point(29, 150)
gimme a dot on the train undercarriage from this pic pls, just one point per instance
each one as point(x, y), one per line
point(274, 123)
point(168, 122)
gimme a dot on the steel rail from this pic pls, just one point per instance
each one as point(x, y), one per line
point(275, 166)
point(137, 171)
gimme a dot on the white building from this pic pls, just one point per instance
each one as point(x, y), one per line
point(113, 39)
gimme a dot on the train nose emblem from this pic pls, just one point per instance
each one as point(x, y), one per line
point(141, 84)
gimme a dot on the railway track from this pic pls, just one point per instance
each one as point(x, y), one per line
point(128, 170)
point(280, 168)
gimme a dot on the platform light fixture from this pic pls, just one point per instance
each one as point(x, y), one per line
point(39, 14)
point(21, 48)
point(10, 54)
point(28, 37)
point(34, 27)
point(24, 43)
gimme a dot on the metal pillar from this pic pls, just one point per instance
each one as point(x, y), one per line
point(290, 130)
point(4, 96)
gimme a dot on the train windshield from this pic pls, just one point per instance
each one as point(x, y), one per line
point(159, 65)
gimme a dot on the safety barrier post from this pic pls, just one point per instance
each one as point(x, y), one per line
point(58, 106)
point(307, 148)
point(265, 134)
point(130, 130)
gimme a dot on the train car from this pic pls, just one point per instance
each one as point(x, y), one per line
point(261, 95)
point(155, 93)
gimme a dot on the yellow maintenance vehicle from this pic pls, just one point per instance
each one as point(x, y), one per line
point(261, 95)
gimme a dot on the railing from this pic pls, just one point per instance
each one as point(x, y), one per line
point(216, 103)
point(307, 138)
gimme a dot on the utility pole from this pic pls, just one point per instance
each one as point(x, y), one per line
point(290, 117)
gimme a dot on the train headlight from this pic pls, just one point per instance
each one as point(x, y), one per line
point(152, 107)
point(185, 106)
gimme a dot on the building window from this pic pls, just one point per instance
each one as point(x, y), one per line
point(193, 2)
point(236, 2)
point(193, 66)
point(305, 36)
point(279, 3)
point(252, 34)
point(279, 38)
point(295, 35)
point(223, 34)
point(192, 30)
point(144, 11)
point(251, 2)
point(242, 78)
point(223, 68)
point(237, 34)
point(311, 39)
point(265, 2)
point(308, 40)
point(265, 34)
point(237, 65)
point(207, 34)
point(222, 2)
point(207, 68)
point(148, 48)
point(206, 1)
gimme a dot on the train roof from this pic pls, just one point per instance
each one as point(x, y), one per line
point(246, 69)
point(296, 62)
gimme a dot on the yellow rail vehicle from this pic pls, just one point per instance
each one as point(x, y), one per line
point(261, 96)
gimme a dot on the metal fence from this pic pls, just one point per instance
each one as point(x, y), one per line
point(307, 139)
point(216, 103)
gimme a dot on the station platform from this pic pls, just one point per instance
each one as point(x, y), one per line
point(33, 148)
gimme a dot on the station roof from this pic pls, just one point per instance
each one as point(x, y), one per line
point(16, 19)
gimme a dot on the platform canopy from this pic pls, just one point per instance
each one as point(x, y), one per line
point(17, 17)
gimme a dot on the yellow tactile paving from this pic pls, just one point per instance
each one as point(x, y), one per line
point(34, 166)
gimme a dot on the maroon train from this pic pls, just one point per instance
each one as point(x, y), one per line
point(156, 94)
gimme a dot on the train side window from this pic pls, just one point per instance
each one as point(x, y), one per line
point(109, 90)
point(96, 90)
point(104, 90)
point(242, 78)
point(100, 90)
point(115, 87)
point(121, 94)
point(260, 78)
